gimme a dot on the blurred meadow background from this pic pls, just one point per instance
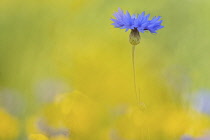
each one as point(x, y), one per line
point(66, 73)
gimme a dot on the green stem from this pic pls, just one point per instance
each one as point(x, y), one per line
point(134, 75)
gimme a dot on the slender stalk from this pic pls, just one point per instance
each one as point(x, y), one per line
point(134, 75)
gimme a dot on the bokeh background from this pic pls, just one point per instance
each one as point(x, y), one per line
point(66, 73)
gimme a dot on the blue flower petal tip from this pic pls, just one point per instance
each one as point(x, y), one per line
point(140, 22)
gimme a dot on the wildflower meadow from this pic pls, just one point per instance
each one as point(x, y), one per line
point(104, 70)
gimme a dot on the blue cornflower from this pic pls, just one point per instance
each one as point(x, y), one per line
point(137, 23)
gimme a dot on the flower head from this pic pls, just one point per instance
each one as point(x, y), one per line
point(140, 22)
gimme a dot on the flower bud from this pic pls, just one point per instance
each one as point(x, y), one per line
point(134, 37)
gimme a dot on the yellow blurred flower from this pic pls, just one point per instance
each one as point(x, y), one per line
point(200, 124)
point(138, 124)
point(37, 137)
point(9, 127)
point(70, 115)
point(59, 138)
point(80, 113)
point(176, 123)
